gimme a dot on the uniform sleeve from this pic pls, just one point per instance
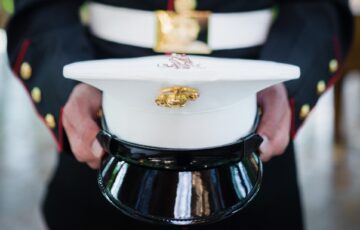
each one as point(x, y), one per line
point(43, 36)
point(315, 35)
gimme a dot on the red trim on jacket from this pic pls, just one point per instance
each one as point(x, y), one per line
point(170, 5)
point(335, 78)
point(337, 51)
point(24, 47)
point(293, 130)
point(61, 131)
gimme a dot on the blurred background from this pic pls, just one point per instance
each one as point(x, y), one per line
point(328, 150)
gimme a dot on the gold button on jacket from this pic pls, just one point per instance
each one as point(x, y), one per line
point(50, 120)
point(320, 87)
point(25, 71)
point(36, 95)
point(333, 65)
point(304, 112)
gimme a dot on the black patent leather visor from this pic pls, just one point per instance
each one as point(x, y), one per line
point(180, 187)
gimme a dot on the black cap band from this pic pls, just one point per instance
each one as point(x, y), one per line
point(179, 159)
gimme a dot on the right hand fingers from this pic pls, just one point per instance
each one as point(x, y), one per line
point(80, 125)
point(275, 121)
point(82, 138)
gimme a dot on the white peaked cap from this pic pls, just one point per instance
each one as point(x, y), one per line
point(224, 112)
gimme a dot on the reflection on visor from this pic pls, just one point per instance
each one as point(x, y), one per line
point(182, 208)
point(236, 179)
point(121, 168)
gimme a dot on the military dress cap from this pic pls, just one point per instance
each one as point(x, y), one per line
point(180, 132)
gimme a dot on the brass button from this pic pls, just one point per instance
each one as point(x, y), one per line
point(182, 6)
point(36, 94)
point(304, 112)
point(25, 71)
point(50, 120)
point(333, 65)
point(321, 87)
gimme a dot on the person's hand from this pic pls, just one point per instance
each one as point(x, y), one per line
point(275, 122)
point(79, 119)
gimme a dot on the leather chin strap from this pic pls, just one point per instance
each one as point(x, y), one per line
point(179, 159)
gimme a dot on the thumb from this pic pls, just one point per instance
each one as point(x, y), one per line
point(265, 148)
point(96, 149)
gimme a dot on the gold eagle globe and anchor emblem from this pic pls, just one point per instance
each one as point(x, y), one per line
point(176, 96)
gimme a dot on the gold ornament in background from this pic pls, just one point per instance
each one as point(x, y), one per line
point(179, 31)
point(176, 96)
point(182, 6)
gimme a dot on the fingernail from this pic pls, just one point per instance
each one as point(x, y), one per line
point(264, 158)
point(96, 149)
point(263, 148)
point(264, 143)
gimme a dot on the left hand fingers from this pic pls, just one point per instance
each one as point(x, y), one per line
point(276, 138)
point(275, 122)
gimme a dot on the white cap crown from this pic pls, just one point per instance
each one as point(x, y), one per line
point(206, 101)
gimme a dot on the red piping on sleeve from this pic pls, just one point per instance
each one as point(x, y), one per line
point(293, 130)
point(337, 50)
point(336, 77)
point(24, 47)
point(170, 5)
point(61, 131)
